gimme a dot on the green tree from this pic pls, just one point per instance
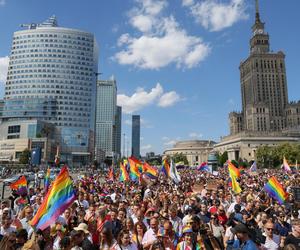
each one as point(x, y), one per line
point(180, 157)
point(222, 158)
point(24, 157)
point(272, 157)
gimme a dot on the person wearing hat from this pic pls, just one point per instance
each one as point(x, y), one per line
point(85, 241)
point(187, 243)
point(244, 242)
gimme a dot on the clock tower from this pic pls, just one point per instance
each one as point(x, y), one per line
point(263, 84)
point(259, 42)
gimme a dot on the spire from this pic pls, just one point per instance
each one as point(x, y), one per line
point(257, 19)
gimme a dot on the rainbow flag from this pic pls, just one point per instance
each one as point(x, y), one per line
point(275, 190)
point(150, 171)
point(235, 185)
point(233, 171)
point(123, 173)
point(59, 197)
point(138, 163)
point(286, 166)
point(166, 167)
point(20, 185)
point(134, 169)
point(47, 180)
point(110, 175)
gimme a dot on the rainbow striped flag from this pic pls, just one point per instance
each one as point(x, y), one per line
point(59, 197)
point(20, 185)
point(166, 167)
point(47, 180)
point(134, 169)
point(138, 163)
point(123, 173)
point(150, 171)
point(233, 171)
point(235, 185)
point(275, 190)
point(110, 175)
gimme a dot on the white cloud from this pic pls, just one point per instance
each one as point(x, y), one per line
point(195, 135)
point(165, 138)
point(187, 2)
point(142, 98)
point(2, 2)
point(146, 147)
point(170, 143)
point(168, 99)
point(215, 15)
point(162, 41)
point(3, 68)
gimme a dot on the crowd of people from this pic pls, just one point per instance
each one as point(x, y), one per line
point(200, 212)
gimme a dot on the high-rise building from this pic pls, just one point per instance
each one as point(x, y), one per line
point(51, 77)
point(108, 119)
point(118, 132)
point(135, 136)
point(263, 83)
point(267, 118)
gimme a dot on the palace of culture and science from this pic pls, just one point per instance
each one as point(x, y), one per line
point(267, 117)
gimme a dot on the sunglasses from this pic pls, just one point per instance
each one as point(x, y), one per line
point(270, 229)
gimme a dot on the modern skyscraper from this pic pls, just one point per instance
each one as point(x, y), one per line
point(108, 119)
point(118, 132)
point(135, 136)
point(51, 77)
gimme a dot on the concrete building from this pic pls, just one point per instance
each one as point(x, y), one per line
point(18, 135)
point(196, 151)
point(108, 119)
point(267, 118)
point(135, 136)
point(51, 76)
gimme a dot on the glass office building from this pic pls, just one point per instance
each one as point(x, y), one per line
point(107, 118)
point(135, 136)
point(51, 76)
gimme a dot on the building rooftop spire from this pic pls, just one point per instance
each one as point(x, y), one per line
point(257, 19)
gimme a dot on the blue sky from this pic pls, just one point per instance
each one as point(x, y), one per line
point(175, 61)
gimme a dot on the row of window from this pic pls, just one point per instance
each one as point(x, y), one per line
point(26, 62)
point(14, 57)
point(66, 83)
point(50, 65)
point(59, 35)
point(88, 47)
point(61, 76)
point(59, 52)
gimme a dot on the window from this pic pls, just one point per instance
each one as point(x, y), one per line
point(14, 129)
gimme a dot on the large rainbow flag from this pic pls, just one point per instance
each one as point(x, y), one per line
point(166, 167)
point(275, 190)
point(134, 169)
point(123, 173)
point(110, 175)
point(150, 171)
point(59, 197)
point(233, 171)
point(20, 185)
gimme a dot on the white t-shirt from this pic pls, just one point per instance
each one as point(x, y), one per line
point(132, 246)
point(272, 244)
point(149, 237)
point(6, 231)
